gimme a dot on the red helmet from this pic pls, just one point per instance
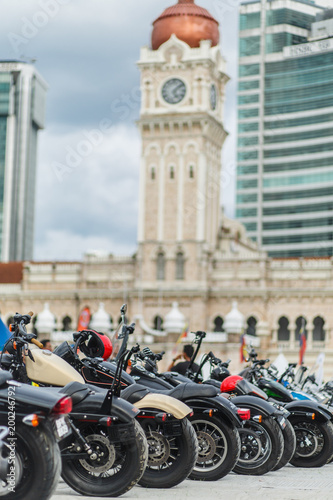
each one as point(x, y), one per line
point(97, 346)
point(229, 383)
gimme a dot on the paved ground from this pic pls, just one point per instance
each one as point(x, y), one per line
point(287, 484)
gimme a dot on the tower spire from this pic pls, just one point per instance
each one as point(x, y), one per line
point(185, 1)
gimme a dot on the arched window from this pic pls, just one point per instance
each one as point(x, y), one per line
point(318, 329)
point(180, 264)
point(66, 324)
point(300, 327)
point(218, 324)
point(158, 323)
point(251, 326)
point(153, 173)
point(283, 330)
point(160, 266)
point(172, 172)
point(191, 172)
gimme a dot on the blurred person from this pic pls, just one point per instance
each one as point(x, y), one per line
point(182, 366)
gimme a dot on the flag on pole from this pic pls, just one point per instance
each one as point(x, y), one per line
point(84, 319)
point(302, 342)
point(4, 334)
point(180, 338)
point(242, 348)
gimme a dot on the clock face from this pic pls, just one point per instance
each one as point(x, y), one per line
point(173, 91)
point(213, 97)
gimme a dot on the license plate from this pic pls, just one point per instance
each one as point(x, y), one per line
point(282, 422)
point(62, 427)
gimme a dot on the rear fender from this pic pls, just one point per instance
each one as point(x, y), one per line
point(257, 406)
point(220, 406)
point(307, 408)
point(123, 410)
point(166, 404)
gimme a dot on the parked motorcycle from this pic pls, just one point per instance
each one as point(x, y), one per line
point(106, 454)
point(32, 421)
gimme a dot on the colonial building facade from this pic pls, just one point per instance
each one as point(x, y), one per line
point(188, 251)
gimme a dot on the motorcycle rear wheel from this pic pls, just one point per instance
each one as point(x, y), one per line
point(170, 459)
point(219, 448)
point(314, 443)
point(261, 447)
point(37, 464)
point(118, 470)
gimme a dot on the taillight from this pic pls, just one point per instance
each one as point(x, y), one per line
point(244, 413)
point(63, 406)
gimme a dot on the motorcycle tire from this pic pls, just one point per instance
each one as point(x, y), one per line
point(37, 464)
point(119, 469)
point(219, 448)
point(262, 447)
point(317, 450)
point(170, 459)
point(289, 437)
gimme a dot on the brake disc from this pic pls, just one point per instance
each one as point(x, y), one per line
point(207, 446)
point(158, 448)
point(103, 454)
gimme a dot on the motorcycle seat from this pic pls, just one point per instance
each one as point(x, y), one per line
point(78, 392)
point(134, 393)
point(190, 390)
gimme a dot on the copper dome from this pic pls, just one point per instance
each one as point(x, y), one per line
point(188, 22)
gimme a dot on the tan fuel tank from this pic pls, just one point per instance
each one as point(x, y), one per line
point(48, 368)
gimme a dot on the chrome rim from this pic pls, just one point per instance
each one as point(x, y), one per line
point(213, 446)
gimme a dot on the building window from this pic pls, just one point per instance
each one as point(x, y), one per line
point(158, 323)
point(318, 329)
point(283, 330)
point(153, 173)
point(66, 324)
point(251, 326)
point(180, 264)
point(191, 172)
point(172, 172)
point(300, 327)
point(218, 324)
point(161, 266)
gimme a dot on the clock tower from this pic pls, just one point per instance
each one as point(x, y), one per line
point(181, 123)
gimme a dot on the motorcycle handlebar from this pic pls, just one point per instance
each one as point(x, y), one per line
point(37, 343)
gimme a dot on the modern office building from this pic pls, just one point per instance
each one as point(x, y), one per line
point(285, 126)
point(22, 109)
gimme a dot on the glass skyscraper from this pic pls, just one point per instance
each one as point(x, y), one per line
point(22, 110)
point(285, 126)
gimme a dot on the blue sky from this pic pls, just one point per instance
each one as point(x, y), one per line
point(86, 50)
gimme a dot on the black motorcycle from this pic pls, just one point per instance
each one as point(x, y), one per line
point(32, 421)
point(106, 454)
